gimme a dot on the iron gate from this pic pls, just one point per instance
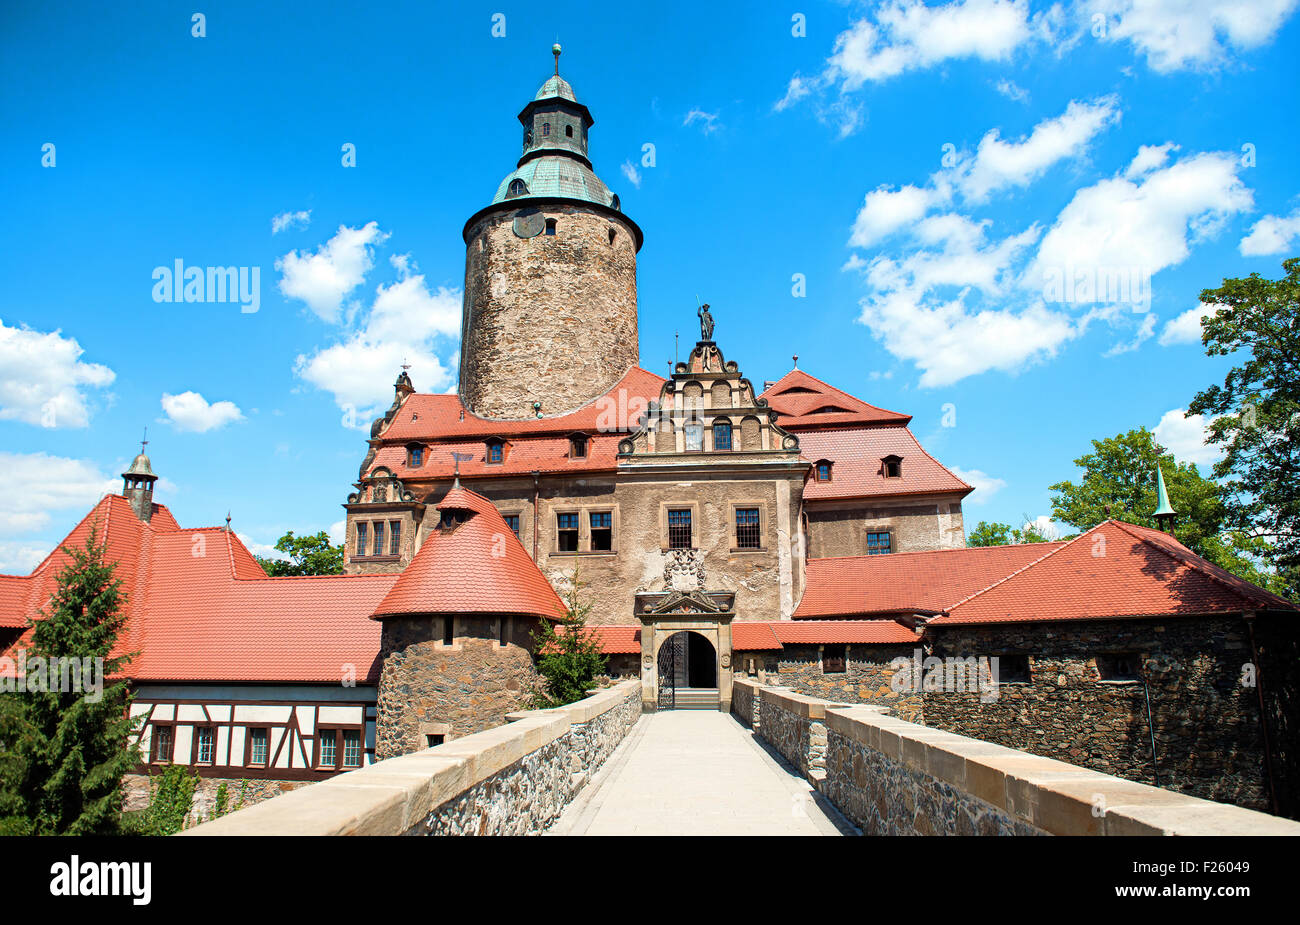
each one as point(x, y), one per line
point(672, 665)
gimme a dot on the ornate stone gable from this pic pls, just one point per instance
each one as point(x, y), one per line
point(708, 407)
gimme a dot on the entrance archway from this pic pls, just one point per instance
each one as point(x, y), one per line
point(687, 671)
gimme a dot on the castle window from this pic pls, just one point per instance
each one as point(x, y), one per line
point(602, 531)
point(679, 528)
point(550, 226)
point(496, 452)
point(878, 544)
point(612, 235)
point(257, 750)
point(351, 748)
point(394, 536)
point(327, 742)
point(748, 530)
point(694, 432)
point(1120, 666)
point(568, 130)
point(379, 538)
point(892, 467)
point(833, 659)
point(578, 447)
point(614, 202)
point(722, 435)
point(503, 631)
point(517, 187)
point(361, 538)
point(512, 521)
point(1013, 669)
point(433, 739)
point(566, 527)
point(546, 128)
point(414, 456)
point(205, 744)
point(448, 630)
point(823, 470)
point(161, 745)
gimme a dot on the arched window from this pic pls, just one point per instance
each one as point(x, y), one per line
point(822, 470)
point(612, 235)
point(568, 130)
point(578, 446)
point(546, 129)
point(414, 455)
point(614, 202)
point(496, 452)
point(891, 467)
point(517, 188)
point(550, 226)
point(721, 435)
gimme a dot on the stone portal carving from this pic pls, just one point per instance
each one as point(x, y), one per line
point(684, 570)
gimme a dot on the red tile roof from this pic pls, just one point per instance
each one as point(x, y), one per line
point(199, 607)
point(857, 471)
point(617, 640)
point(841, 631)
point(478, 567)
point(806, 403)
point(1113, 570)
point(907, 582)
point(753, 637)
point(444, 426)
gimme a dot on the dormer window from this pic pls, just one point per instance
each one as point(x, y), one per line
point(496, 452)
point(414, 456)
point(517, 188)
point(822, 470)
point(891, 467)
point(578, 446)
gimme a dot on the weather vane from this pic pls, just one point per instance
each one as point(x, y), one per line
point(144, 441)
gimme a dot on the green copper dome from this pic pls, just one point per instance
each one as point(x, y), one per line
point(554, 87)
point(555, 176)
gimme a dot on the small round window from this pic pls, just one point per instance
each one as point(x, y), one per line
point(517, 188)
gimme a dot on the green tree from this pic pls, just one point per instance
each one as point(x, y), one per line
point(308, 555)
point(988, 533)
point(1119, 481)
point(568, 658)
point(171, 795)
point(1255, 414)
point(63, 753)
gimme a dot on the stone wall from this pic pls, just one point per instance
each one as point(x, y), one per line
point(245, 792)
point(427, 686)
point(550, 318)
point(892, 777)
point(866, 678)
point(1208, 738)
point(840, 527)
point(515, 779)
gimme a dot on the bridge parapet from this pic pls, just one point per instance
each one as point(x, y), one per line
point(514, 779)
point(892, 777)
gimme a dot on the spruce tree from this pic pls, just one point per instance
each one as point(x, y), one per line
point(568, 658)
point(63, 753)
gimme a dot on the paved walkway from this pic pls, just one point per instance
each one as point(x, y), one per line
point(696, 772)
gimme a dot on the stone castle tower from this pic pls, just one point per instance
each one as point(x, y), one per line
point(550, 315)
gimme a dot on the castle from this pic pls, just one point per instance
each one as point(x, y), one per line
point(792, 533)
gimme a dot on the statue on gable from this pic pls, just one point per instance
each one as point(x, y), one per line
point(706, 322)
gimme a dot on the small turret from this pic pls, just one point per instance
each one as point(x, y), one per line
point(1165, 514)
point(137, 485)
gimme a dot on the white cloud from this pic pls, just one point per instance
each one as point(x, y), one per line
point(190, 411)
point(633, 175)
point(1045, 526)
point(42, 378)
point(1012, 91)
point(985, 485)
point(50, 483)
point(1148, 158)
point(797, 89)
point(261, 550)
point(1149, 225)
point(708, 120)
point(323, 279)
point(908, 35)
point(337, 531)
point(1186, 328)
point(1146, 327)
point(287, 220)
point(999, 164)
point(885, 211)
point(1272, 234)
point(1181, 34)
point(20, 558)
point(1184, 436)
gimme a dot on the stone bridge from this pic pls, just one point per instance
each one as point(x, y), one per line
point(780, 764)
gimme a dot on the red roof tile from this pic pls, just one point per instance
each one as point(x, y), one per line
point(754, 637)
point(806, 403)
point(199, 607)
point(1113, 570)
point(478, 567)
point(907, 582)
point(857, 471)
point(841, 631)
point(617, 640)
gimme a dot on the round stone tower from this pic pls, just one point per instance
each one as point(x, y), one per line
point(549, 321)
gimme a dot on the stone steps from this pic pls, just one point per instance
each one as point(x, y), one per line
point(697, 698)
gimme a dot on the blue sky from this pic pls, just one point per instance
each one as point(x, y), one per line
point(927, 171)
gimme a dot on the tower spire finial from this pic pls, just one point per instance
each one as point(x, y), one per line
point(1165, 513)
point(144, 441)
point(555, 50)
